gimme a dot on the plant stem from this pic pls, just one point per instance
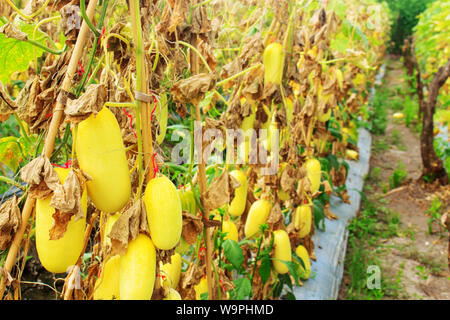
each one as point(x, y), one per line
point(237, 75)
point(86, 18)
point(94, 49)
point(11, 182)
point(39, 45)
point(23, 15)
point(198, 54)
point(256, 257)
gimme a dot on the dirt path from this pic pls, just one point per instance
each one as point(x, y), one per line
point(412, 261)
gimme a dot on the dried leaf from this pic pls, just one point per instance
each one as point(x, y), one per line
point(192, 226)
point(66, 200)
point(193, 89)
point(132, 221)
point(275, 216)
point(9, 221)
point(218, 193)
point(178, 15)
point(7, 105)
point(40, 176)
point(91, 101)
point(10, 31)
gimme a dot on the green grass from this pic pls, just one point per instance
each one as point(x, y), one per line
point(398, 176)
point(375, 222)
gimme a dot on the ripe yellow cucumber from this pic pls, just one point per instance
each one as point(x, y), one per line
point(257, 215)
point(164, 214)
point(183, 246)
point(237, 205)
point(162, 116)
point(172, 295)
point(171, 272)
point(107, 285)
point(303, 254)
point(273, 61)
point(111, 219)
point(137, 269)
point(229, 228)
point(200, 288)
point(313, 173)
point(101, 154)
point(324, 117)
point(187, 199)
point(57, 255)
point(303, 220)
point(282, 251)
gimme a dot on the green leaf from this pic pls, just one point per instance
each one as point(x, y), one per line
point(292, 266)
point(10, 152)
point(16, 55)
point(319, 214)
point(242, 290)
point(233, 253)
point(264, 268)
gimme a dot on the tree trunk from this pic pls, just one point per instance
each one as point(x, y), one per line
point(407, 55)
point(432, 164)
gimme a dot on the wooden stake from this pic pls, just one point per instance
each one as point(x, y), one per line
point(49, 143)
point(202, 185)
point(142, 86)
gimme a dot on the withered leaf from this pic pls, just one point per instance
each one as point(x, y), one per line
point(66, 200)
point(7, 105)
point(192, 226)
point(275, 217)
point(90, 102)
point(178, 14)
point(200, 22)
point(328, 214)
point(10, 31)
point(288, 178)
point(193, 88)
point(218, 193)
point(128, 226)
point(41, 177)
point(9, 221)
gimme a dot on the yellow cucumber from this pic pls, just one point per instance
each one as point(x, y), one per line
point(273, 60)
point(57, 255)
point(257, 215)
point(172, 295)
point(137, 269)
point(237, 205)
point(111, 219)
point(351, 154)
point(303, 254)
point(200, 288)
point(230, 229)
point(282, 251)
point(183, 246)
point(187, 199)
point(107, 285)
point(303, 220)
point(171, 272)
point(101, 154)
point(313, 173)
point(162, 115)
point(324, 117)
point(164, 214)
point(289, 111)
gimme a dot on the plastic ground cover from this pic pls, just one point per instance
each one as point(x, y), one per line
point(331, 244)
